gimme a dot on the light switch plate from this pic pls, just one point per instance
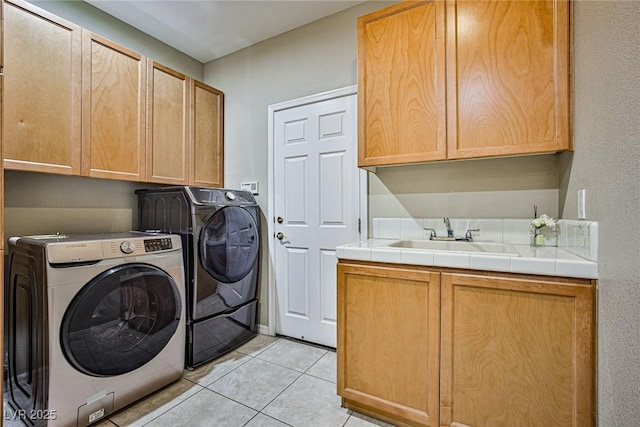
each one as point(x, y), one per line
point(251, 186)
point(582, 204)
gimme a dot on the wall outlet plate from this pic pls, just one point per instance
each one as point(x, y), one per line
point(251, 186)
point(582, 204)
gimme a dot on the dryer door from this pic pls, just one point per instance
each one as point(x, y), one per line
point(229, 244)
point(120, 320)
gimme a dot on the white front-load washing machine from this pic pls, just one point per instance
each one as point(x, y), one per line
point(95, 322)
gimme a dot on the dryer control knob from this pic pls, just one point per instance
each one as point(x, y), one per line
point(127, 247)
point(229, 195)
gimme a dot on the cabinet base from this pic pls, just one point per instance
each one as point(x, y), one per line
point(378, 414)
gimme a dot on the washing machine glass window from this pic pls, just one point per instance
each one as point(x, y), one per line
point(229, 244)
point(120, 320)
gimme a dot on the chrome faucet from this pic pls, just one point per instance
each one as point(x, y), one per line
point(432, 234)
point(449, 229)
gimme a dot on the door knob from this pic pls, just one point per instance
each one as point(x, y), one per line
point(280, 220)
point(279, 235)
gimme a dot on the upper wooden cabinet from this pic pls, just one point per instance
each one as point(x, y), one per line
point(184, 130)
point(113, 105)
point(79, 104)
point(507, 77)
point(41, 129)
point(401, 84)
point(207, 154)
point(168, 121)
point(504, 91)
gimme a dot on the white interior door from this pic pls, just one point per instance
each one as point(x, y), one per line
point(316, 208)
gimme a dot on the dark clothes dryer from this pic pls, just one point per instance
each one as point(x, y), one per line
point(220, 237)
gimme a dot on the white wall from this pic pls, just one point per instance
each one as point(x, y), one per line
point(485, 188)
point(606, 163)
point(97, 21)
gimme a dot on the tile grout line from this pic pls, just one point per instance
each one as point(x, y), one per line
point(268, 416)
point(253, 409)
point(299, 375)
point(227, 373)
point(202, 387)
point(173, 407)
point(278, 395)
point(250, 357)
point(293, 382)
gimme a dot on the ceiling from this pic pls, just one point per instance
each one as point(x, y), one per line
point(210, 29)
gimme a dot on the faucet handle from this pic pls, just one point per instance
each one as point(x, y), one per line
point(468, 236)
point(432, 235)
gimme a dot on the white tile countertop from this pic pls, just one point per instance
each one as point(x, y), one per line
point(548, 261)
point(570, 259)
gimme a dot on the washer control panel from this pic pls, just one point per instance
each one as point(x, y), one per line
point(94, 248)
point(161, 244)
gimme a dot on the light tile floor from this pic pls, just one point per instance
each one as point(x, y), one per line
point(268, 382)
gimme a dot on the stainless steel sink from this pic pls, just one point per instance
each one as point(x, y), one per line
point(487, 248)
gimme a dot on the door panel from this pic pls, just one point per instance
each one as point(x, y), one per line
point(295, 196)
point(317, 197)
point(333, 203)
point(298, 270)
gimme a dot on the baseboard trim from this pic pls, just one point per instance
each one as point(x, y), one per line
point(263, 329)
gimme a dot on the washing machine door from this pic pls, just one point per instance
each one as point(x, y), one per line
point(120, 320)
point(229, 244)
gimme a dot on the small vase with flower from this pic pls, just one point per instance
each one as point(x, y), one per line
point(537, 227)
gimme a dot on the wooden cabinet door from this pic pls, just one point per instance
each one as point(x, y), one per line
point(507, 77)
point(207, 153)
point(1, 156)
point(42, 106)
point(388, 342)
point(516, 351)
point(401, 84)
point(113, 103)
point(168, 115)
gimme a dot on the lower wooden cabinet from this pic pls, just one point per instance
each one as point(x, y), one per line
point(428, 346)
point(516, 351)
point(389, 342)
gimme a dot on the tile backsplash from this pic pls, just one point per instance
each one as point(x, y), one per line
point(578, 237)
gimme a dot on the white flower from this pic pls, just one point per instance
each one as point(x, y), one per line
point(543, 221)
